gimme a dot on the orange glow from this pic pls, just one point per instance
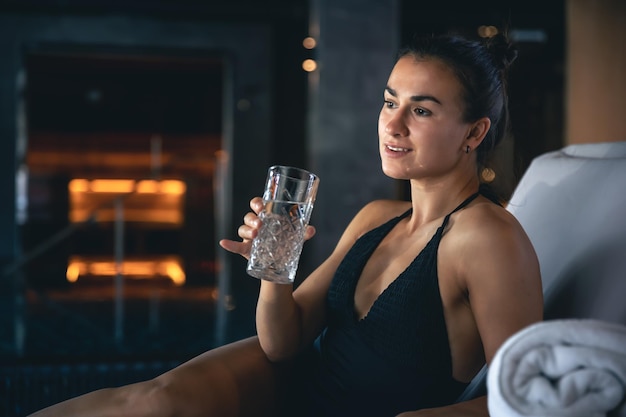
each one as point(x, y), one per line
point(152, 201)
point(309, 65)
point(173, 187)
point(174, 271)
point(79, 186)
point(174, 217)
point(487, 31)
point(147, 186)
point(169, 267)
point(309, 42)
point(488, 175)
point(73, 272)
point(111, 186)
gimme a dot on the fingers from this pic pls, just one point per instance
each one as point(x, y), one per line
point(309, 232)
point(256, 204)
point(247, 231)
point(250, 226)
point(250, 229)
point(240, 248)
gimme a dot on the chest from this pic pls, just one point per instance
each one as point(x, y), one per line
point(390, 297)
point(390, 260)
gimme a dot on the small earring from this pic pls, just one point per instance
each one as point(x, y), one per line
point(468, 149)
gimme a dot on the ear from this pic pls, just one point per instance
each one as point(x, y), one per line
point(477, 132)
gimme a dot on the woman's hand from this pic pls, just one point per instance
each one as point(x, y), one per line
point(249, 230)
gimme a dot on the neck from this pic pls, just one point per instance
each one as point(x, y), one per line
point(432, 201)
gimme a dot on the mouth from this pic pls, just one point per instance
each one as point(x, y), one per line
point(397, 149)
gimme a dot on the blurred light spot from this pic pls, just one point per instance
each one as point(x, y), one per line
point(487, 31)
point(309, 65)
point(309, 42)
point(73, 272)
point(488, 174)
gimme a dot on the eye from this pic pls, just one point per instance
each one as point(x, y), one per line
point(422, 112)
point(389, 104)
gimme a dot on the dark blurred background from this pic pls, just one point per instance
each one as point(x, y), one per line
point(134, 132)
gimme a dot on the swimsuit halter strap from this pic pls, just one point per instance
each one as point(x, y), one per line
point(459, 207)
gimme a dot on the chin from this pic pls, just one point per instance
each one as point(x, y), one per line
point(394, 173)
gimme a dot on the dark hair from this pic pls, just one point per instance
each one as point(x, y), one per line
point(481, 67)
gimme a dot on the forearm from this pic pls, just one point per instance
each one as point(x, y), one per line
point(278, 321)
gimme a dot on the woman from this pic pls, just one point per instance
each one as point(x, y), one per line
point(416, 295)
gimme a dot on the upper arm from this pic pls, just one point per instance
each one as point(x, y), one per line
point(503, 281)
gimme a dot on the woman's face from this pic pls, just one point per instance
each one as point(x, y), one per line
point(420, 128)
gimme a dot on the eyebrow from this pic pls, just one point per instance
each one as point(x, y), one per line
point(414, 98)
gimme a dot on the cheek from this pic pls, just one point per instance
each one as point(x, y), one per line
point(381, 125)
point(447, 136)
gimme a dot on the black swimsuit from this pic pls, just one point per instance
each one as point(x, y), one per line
point(398, 357)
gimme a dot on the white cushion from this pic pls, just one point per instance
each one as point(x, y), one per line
point(572, 204)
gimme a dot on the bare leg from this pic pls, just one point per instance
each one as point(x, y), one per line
point(233, 380)
point(139, 399)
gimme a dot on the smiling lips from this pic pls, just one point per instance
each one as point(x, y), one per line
point(397, 149)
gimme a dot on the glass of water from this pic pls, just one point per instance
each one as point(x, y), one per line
point(288, 202)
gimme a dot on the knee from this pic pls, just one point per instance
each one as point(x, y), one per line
point(148, 398)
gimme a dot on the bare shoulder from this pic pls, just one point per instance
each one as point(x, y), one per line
point(376, 213)
point(489, 241)
point(493, 268)
point(489, 224)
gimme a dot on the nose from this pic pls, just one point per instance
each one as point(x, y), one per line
point(396, 125)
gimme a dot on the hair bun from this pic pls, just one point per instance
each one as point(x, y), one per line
point(502, 51)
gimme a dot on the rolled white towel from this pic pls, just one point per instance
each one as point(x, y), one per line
point(569, 368)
